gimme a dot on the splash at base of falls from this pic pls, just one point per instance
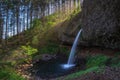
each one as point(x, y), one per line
point(67, 66)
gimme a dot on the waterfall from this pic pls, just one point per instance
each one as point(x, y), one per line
point(73, 50)
point(71, 58)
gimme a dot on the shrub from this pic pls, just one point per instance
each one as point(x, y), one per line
point(29, 50)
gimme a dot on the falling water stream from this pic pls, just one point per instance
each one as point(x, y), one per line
point(71, 58)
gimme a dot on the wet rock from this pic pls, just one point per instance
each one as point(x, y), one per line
point(46, 57)
point(43, 57)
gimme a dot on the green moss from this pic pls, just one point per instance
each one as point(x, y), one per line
point(98, 60)
point(78, 74)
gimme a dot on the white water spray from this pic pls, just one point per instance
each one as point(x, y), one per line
point(71, 59)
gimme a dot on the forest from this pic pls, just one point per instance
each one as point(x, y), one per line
point(59, 40)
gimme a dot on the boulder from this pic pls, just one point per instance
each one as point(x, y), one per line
point(47, 57)
point(43, 57)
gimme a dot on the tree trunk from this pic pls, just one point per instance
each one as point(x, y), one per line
point(1, 29)
point(6, 31)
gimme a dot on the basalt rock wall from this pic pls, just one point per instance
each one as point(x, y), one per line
point(101, 23)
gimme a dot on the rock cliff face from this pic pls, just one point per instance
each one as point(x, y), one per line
point(69, 29)
point(101, 22)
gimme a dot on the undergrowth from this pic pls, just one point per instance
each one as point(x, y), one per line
point(28, 50)
point(9, 74)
